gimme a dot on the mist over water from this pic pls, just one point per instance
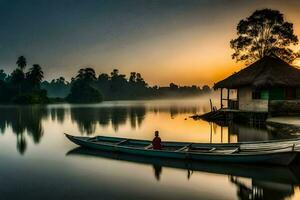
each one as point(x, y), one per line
point(39, 162)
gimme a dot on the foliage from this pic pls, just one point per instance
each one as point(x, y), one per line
point(87, 75)
point(21, 63)
point(3, 75)
point(117, 87)
point(86, 87)
point(33, 97)
point(23, 88)
point(82, 90)
point(57, 87)
point(263, 33)
point(35, 75)
point(17, 77)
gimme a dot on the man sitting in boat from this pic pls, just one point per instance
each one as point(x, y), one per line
point(156, 142)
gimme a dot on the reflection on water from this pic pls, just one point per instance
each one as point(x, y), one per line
point(88, 118)
point(23, 120)
point(133, 117)
point(251, 182)
point(34, 160)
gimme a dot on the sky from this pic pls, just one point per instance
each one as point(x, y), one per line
point(180, 41)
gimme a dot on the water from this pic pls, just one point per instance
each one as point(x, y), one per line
point(38, 162)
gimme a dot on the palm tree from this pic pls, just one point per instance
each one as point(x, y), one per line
point(21, 62)
point(17, 77)
point(35, 75)
point(3, 75)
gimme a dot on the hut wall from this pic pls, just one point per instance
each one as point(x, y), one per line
point(277, 94)
point(246, 103)
point(298, 93)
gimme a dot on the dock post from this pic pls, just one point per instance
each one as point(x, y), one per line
point(221, 98)
point(211, 106)
point(228, 90)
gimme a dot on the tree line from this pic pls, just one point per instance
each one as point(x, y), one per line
point(23, 87)
point(86, 86)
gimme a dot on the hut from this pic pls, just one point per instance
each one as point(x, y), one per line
point(268, 85)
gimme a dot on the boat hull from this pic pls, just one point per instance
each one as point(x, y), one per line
point(278, 158)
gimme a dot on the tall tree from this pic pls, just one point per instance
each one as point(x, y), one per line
point(132, 77)
point(140, 81)
point(263, 33)
point(17, 77)
point(83, 90)
point(35, 75)
point(3, 75)
point(21, 62)
point(86, 74)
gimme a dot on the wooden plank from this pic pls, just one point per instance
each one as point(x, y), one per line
point(149, 146)
point(184, 148)
point(121, 142)
point(92, 139)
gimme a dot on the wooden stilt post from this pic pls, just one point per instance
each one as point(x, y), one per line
point(221, 134)
point(228, 90)
point(221, 98)
point(210, 136)
point(211, 106)
point(237, 98)
point(228, 136)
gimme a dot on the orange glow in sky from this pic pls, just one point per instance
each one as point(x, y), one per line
point(187, 53)
point(185, 42)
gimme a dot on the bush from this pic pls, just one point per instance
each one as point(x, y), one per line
point(83, 93)
point(34, 97)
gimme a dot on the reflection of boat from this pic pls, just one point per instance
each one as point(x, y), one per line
point(278, 174)
point(233, 154)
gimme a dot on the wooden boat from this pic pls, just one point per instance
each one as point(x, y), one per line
point(244, 146)
point(282, 155)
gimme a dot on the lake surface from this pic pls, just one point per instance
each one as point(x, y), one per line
point(38, 162)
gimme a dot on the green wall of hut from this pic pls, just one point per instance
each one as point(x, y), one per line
point(276, 94)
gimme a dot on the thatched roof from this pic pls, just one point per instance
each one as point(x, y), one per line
point(270, 71)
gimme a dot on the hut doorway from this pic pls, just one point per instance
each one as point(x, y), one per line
point(229, 99)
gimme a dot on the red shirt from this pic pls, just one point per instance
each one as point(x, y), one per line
point(156, 143)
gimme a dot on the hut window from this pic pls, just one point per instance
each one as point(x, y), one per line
point(256, 94)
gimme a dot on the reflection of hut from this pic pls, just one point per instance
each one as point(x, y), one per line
point(257, 189)
point(268, 85)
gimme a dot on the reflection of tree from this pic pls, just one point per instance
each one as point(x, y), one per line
point(137, 115)
point(23, 119)
point(262, 190)
point(118, 117)
point(88, 117)
point(103, 117)
point(21, 143)
point(2, 125)
point(175, 110)
point(58, 114)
